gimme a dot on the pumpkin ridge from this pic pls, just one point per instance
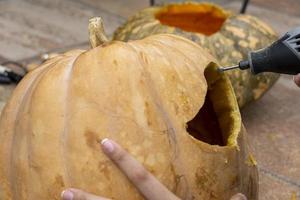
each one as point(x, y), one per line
point(192, 61)
point(178, 162)
point(176, 158)
point(23, 103)
point(53, 67)
point(132, 46)
point(31, 79)
point(66, 57)
point(12, 139)
point(156, 39)
point(158, 100)
point(64, 134)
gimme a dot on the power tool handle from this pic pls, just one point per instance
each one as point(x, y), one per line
point(278, 58)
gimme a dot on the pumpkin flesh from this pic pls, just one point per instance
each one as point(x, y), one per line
point(212, 124)
point(204, 19)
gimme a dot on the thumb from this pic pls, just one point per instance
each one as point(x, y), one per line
point(297, 79)
point(239, 196)
point(75, 194)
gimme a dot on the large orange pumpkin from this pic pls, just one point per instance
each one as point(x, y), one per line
point(161, 98)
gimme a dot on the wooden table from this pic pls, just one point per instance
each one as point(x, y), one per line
point(31, 27)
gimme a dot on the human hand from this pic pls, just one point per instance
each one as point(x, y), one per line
point(297, 80)
point(143, 180)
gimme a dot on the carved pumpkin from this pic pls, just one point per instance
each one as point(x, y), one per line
point(161, 98)
point(228, 37)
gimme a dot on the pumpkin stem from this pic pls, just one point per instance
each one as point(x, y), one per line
point(96, 32)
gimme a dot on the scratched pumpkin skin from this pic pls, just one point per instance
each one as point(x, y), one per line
point(146, 95)
point(228, 37)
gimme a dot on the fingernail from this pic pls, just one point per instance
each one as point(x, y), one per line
point(107, 145)
point(239, 196)
point(67, 195)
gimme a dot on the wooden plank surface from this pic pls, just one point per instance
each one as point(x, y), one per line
point(290, 7)
point(124, 8)
point(30, 27)
point(273, 130)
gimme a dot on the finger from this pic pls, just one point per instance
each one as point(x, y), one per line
point(239, 196)
point(297, 79)
point(145, 182)
point(75, 194)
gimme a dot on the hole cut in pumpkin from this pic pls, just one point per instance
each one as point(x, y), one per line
point(218, 121)
point(202, 18)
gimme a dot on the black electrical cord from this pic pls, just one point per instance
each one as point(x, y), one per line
point(244, 6)
point(19, 65)
point(8, 76)
point(4, 79)
point(152, 2)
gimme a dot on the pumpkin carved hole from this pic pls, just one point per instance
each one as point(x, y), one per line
point(216, 120)
point(205, 126)
point(206, 19)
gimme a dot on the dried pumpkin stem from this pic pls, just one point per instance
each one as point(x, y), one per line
point(96, 32)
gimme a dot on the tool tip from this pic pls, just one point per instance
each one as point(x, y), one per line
point(221, 69)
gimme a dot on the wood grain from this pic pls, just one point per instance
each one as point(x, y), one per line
point(31, 27)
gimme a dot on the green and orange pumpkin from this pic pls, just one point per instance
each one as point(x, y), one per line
point(229, 37)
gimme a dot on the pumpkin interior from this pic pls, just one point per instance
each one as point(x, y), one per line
point(218, 121)
point(201, 18)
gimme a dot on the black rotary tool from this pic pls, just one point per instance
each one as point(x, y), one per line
point(283, 56)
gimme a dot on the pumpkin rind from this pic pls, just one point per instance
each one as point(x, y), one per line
point(137, 94)
point(238, 35)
